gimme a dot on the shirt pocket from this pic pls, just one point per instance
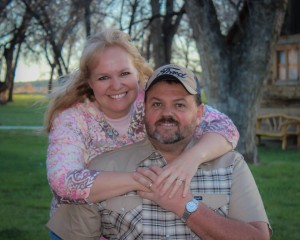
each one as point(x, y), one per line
point(119, 214)
point(123, 204)
point(217, 202)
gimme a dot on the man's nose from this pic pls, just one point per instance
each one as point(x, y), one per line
point(167, 111)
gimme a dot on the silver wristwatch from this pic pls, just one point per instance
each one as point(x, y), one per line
point(190, 207)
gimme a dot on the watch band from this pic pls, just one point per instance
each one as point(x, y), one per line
point(185, 216)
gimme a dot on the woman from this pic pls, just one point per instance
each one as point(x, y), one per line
point(100, 108)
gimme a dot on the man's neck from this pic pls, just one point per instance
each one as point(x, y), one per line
point(170, 151)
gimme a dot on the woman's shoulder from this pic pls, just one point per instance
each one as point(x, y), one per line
point(73, 117)
point(76, 112)
point(140, 96)
point(139, 102)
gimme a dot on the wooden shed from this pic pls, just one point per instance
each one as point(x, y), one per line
point(281, 92)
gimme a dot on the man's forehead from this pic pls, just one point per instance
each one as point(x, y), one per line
point(167, 98)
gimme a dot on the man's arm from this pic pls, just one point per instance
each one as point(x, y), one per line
point(206, 223)
point(209, 225)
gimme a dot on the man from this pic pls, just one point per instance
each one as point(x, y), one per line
point(223, 202)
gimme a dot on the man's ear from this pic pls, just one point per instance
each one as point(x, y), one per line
point(200, 113)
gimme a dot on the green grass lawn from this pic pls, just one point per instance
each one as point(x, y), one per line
point(25, 195)
point(25, 110)
point(24, 191)
point(278, 179)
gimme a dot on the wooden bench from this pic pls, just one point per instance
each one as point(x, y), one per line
point(278, 126)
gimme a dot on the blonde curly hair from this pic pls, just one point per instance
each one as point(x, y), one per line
point(76, 88)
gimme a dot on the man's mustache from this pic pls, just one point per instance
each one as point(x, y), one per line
point(167, 120)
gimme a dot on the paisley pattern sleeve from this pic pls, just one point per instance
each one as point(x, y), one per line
point(66, 156)
point(217, 122)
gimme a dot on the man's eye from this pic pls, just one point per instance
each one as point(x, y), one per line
point(156, 105)
point(180, 105)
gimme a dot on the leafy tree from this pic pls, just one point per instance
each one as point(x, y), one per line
point(13, 27)
point(57, 29)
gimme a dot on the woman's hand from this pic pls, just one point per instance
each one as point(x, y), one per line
point(163, 178)
point(176, 204)
point(176, 173)
point(146, 176)
point(182, 169)
point(168, 179)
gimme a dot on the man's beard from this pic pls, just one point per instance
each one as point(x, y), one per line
point(165, 137)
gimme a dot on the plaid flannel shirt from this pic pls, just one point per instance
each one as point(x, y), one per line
point(150, 221)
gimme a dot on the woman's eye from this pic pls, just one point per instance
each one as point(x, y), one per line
point(125, 73)
point(103, 78)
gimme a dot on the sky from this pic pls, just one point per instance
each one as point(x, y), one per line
point(32, 72)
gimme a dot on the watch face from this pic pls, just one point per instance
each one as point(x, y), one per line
point(191, 206)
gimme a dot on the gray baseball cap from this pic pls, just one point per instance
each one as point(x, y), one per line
point(173, 71)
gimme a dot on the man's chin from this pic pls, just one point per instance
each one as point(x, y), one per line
point(166, 140)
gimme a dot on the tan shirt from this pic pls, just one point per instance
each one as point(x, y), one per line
point(237, 198)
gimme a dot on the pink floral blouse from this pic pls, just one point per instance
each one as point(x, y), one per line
point(81, 132)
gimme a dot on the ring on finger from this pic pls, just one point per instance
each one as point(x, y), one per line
point(150, 185)
point(180, 179)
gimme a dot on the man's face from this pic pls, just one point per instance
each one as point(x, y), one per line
point(171, 113)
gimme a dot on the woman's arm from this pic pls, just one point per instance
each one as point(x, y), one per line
point(68, 176)
point(66, 155)
point(214, 121)
point(112, 184)
point(217, 135)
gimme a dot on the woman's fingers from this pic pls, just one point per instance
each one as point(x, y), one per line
point(162, 176)
point(186, 188)
point(167, 184)
point(171, 182)
point(178, 183)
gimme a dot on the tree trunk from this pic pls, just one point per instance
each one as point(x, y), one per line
point(87, 18)
point(156, 35)
point(163, 29)
point(235, 66)
point(11, 56)
point(13, 74)
point(291, 23)
point(50, 82)
point(8, 56)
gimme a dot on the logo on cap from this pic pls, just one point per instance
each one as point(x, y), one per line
point(172, 71)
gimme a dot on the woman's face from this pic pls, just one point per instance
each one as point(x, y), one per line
point(114, 81)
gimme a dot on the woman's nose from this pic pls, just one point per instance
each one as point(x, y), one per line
point(116, 83)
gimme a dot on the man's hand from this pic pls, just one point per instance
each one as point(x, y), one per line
point(145, 177)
